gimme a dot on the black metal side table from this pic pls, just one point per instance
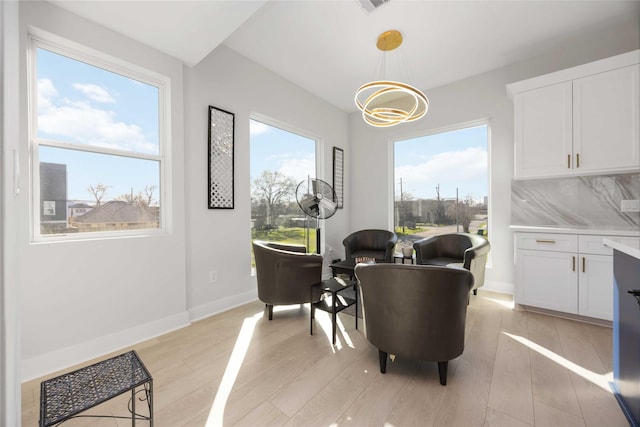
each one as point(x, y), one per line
point(400, 256)
point(343, 267)
point(66, 396)
point(331, 300)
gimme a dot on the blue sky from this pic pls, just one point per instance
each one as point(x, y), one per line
point(278, 150)
point(456, 159)
point(450, 159)
point(86, 105)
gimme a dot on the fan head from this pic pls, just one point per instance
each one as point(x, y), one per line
point(316, 198)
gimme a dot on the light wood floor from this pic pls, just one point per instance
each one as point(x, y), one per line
point(239, 369)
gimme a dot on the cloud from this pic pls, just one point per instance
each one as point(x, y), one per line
point(298, 168)
point(79, 122)
point(46, 91)
point(258, 128)
point(95, 92)
point(466, 168)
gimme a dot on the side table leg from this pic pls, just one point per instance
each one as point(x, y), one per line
point(355, 288)
point(133, 407)
point(333, 314)
point(311, 311)
point(150, 401)
point(311, 317)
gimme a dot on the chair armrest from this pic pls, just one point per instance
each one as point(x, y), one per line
point(480, 250)
point(389, 252)
point(288, 247)
point(426, 249)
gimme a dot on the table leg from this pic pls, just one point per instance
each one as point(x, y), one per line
point(355, 288)
point(312, 316)
point(333, 313)
point(150, 401)
point(311, 312)
point(133, 407)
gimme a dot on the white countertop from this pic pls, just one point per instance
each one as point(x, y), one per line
point(628, 246)
point(575, 230)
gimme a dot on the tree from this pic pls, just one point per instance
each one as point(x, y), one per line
point(97, 192)
point(141, 198)
point(404, 208)
point(464, 211)
point(148, 194)
point(134, 199)
point(272, 188)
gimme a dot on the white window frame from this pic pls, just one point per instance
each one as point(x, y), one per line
point(64, 47)
point(319, 155)
point(452, 128)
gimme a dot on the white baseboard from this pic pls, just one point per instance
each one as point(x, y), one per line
point(500, 287)
point(64, 358)
point(224, 304)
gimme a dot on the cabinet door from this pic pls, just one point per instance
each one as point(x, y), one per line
point(543, 131)
point(606, 121)
point(547, 279)
point(595, 291)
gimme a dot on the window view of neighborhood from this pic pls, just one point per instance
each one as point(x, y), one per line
point(444, 188)
point(280, 161)
point(97, 142)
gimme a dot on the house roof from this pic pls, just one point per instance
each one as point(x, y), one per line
point(118, 211)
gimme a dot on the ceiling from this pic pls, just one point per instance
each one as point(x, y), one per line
point(329, 47)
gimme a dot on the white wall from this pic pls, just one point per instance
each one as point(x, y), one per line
point(220, 239)
point(10, 411)
point(82, 299)
point(477, 98)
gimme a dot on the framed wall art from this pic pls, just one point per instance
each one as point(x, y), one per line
point(221, 126)
point(338, 175)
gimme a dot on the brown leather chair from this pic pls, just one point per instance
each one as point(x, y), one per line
point(371, 243)
point(415, 311)
point(455, 249)
point(285, 273)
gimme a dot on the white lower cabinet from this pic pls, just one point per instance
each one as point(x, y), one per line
point(546, 271)
point(595, 290)
point(569, 273)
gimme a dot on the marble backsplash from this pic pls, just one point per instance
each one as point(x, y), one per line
point(586, 201)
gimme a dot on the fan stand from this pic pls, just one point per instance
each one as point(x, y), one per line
point(317, 234)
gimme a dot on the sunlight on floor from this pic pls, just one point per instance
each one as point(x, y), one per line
point(505, 303)
point(323, 319)
point(216, 414)
point(601, 380)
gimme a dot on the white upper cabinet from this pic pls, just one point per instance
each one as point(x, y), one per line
point(583, 120)
point(605, 120)
point(543, 130)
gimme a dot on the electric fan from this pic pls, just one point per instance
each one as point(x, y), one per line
point(317, 200)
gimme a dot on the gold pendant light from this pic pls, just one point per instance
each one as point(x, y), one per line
point(387, 103)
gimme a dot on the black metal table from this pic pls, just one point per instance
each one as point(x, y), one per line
point(343, 267)
point(400, 256)
point(66, 396)
point(331, 300)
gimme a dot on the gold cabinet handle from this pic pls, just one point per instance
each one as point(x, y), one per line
point(573, 267)
point(568, 161)
point(583, 263)
point(578, 160)
point(545, 241)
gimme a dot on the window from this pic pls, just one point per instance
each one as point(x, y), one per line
point(97, 135)
point(280, 160)
point(441, 184)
